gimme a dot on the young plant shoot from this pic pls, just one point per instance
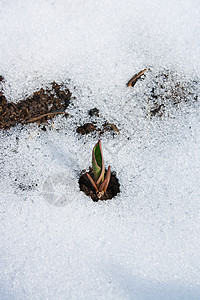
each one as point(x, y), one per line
point(99, 183)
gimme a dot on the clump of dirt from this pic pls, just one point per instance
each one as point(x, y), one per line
point(86, 128)
point(94, 112)
point(89, 127)
point(40, 107)
point(109, 127)
point(167, 91)
point(86, 186)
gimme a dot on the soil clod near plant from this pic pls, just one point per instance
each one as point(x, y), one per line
point(86, 128)
point(91, 127)
point(40, 107)
point(94, 112)
point(110, 127)
point(86, 187)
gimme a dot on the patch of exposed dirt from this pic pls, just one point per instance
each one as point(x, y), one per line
point(109, 127)
point(89, 127)
point(94, 112)
point(86, 128)
point(168, 91)
point(40, 107)
point(86, 186)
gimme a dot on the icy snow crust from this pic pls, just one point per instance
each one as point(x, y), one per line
point(143, 244)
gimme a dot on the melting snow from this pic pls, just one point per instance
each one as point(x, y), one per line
point(144, 244)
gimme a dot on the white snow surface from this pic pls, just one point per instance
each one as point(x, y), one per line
point(144, 243)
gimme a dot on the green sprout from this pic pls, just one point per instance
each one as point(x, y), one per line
point(99, 183)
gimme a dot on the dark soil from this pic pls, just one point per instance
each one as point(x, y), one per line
point(110, 127)
point(167, 91)
point(86, 187)
point(91, 127)
point(157, 110)
point(94, 112)
point(86, 128)
point(40, 107)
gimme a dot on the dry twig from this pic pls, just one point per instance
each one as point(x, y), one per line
point(133, 79)
point(42, 116)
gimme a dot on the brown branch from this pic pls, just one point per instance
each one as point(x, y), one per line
point(14, 106)
point(133, 79)
point(42, 116)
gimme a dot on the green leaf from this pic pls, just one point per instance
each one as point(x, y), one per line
point(98, 163)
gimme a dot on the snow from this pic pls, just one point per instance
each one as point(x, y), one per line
point(143, 244)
